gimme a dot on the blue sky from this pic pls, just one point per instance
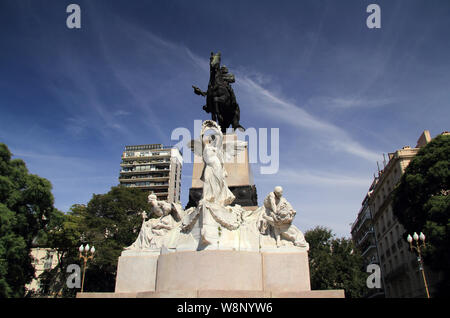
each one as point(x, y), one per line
point(340, 93)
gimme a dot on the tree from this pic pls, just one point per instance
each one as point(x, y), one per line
point(64, 233)
point(26, 205)
point(335, 263)
point(112, 222)
point(109, 222)
point(421, 202)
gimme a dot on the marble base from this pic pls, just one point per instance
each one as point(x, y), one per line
point(338, 293)
point(214, 273)
point(210, 270)
point(136, 273)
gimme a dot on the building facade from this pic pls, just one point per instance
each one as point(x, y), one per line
point(43, 259)
point(377, 225)
point(363, 235)
point(153, 168)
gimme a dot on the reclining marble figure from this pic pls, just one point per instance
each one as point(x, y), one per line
point(154, 231)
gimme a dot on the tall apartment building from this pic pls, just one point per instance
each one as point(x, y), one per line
point(399, 267)
point(363, 235)
point(153, 168)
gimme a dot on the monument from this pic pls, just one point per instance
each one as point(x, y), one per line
point(217, 247)
point(221, 103)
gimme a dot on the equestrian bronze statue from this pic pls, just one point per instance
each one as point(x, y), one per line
point(220, 98)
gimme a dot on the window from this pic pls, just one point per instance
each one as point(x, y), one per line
point(48, 261)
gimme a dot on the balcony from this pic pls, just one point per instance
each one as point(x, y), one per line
point(149, 187)
point(143, 171)
point(159, 155)
point(374, 259)
point(152, 185)
point(142, 163)
point(368, 234)
point(366, 218)
point(368, 249)
point(133, 179)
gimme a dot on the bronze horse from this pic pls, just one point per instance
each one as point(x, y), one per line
point(220, 98)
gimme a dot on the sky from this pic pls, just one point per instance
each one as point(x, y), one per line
point(340, 94)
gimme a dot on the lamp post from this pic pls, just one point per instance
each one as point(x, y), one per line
point(416, 246)
point(87, 255)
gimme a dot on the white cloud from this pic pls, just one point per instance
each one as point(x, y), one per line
point(317, 178)
point(267, 102)
point(121, 112)
point(350, 102)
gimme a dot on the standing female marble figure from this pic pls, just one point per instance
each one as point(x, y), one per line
point(215, 188)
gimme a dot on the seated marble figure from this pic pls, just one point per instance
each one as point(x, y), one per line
point(277, 219)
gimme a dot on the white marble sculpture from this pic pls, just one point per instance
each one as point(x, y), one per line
point(278, 216)
point(214, 223)
point(214, 210)
point(215, 188)
point(154, 231)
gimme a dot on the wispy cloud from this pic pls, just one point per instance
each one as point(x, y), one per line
point(73, 86)
point(274, 106)
point(121, 112)
point(318, 178)
point(56, 161)
point(351, 102)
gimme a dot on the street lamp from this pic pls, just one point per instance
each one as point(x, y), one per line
point(417, 247)
point(88, 254)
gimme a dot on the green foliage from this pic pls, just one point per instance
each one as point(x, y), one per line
point(334, 263)
point(113, 221)
point(26, 205)
point(421, 203)
point(109, 222)
point(65, 231)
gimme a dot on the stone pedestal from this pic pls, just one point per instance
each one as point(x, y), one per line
point(229, 271)
point(136, 273)
point(210, 270)
point(213, 274)
point(239, 179)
